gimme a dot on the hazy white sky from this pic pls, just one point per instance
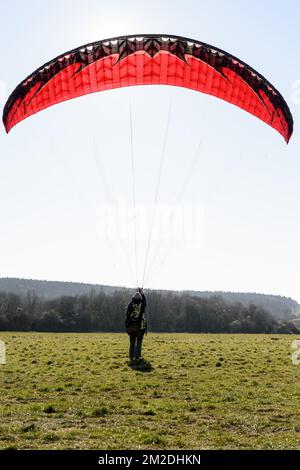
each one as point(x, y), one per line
point(66, 172)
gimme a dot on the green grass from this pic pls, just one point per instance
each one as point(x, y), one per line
point(78, 391)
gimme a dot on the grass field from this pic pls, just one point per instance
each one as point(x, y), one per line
point(78, 391)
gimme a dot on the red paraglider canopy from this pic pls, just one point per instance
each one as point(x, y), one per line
point(149, 59)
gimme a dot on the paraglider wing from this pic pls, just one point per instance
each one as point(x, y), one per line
point(149, 60)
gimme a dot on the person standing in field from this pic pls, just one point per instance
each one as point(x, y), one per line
point(136, 324)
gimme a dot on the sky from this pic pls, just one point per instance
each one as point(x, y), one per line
point(227, 214)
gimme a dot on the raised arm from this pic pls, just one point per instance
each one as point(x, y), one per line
point(144, 301)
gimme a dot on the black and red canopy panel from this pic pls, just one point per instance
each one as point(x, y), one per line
point(149, 59)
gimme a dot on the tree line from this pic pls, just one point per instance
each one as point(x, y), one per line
point(166, 311)
point(281, 308)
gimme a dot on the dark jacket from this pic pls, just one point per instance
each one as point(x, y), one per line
point(136, 312)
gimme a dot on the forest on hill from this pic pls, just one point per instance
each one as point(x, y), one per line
point(281, 308)
point(105, 312)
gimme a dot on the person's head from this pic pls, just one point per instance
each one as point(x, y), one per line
point(136, 297)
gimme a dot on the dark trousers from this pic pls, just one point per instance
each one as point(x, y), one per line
point(136, 341)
